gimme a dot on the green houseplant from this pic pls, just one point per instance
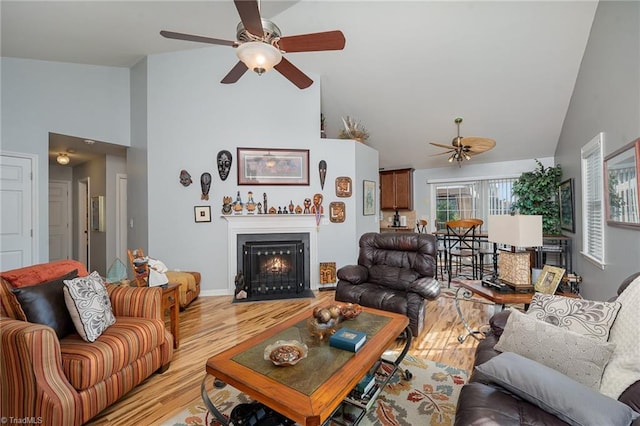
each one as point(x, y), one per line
point(537, 194)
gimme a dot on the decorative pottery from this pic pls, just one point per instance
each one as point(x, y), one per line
point(286, 352)
point(322, 330)
point(227, 208)
point(224, 164)
point(237, 204)
point(251, 205)
point(205, 184)
point(350, 310)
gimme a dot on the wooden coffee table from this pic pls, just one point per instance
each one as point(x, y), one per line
point(313, 389)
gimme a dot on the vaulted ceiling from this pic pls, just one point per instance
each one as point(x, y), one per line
point(407, 70)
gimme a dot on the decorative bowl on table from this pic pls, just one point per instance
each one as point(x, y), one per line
point(350, 310)
point(286, 352)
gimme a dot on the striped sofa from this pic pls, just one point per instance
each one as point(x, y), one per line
point(68, 381)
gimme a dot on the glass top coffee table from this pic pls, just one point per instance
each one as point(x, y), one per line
point(313, 389)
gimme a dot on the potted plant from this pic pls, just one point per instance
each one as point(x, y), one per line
point(353, 130)
point(537, 193)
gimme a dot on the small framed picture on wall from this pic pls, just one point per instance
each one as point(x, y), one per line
point(202, 213)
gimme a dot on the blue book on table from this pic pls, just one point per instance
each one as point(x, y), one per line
point(347, 339)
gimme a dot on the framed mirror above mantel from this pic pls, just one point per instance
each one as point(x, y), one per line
point(622, 183)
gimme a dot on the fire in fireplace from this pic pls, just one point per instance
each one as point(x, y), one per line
point(274, 266)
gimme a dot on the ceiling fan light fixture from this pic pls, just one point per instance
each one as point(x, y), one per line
point(63, 159)
point(258, 56)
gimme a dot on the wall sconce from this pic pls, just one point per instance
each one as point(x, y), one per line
point(63, 159)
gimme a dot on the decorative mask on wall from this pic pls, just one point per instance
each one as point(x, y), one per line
point(205, 184)
point(224, 164)
point(322, 169)
point(185, 178)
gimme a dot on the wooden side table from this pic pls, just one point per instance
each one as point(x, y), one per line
point(500, 299)
point(171, 303)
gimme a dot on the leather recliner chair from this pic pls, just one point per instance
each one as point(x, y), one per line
point(395, 273)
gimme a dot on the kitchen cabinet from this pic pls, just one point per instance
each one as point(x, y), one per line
point(396, 189)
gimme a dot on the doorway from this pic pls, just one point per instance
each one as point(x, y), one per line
point(84, 251)
point(60, 221)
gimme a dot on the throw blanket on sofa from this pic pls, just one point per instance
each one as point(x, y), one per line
point(187, 282)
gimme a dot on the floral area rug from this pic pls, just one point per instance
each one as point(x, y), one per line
point(428, 398)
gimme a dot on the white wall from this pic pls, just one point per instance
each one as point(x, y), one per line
point(191, 117)
point(39, 97)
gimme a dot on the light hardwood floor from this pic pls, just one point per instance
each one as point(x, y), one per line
point(212, 324)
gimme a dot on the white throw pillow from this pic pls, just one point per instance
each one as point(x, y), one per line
point(579, 357)
point(88, 303)
point(624, 368)
point(587, 317)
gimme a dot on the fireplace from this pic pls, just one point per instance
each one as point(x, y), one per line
point(273, 266)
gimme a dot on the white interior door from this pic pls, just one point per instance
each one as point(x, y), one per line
point(59, 220)
point(16, 221)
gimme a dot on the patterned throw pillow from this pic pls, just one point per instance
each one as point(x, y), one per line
point(624, 368)
point(88, 303)
point(586, 317)
point(579, 357)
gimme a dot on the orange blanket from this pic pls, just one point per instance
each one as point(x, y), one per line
point(187, 282)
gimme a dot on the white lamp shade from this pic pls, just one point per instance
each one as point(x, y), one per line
point(258, 56)
point(517, 230)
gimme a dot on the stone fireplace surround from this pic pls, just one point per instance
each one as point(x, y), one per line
point(271, 224)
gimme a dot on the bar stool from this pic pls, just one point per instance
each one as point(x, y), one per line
point(463, 245)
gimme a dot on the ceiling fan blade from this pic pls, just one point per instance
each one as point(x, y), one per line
point(250, 16)
point(439, 145)
point(236, 72)
point(294, 74)
point(478, 145)
point(328, 40)
point(197, 38)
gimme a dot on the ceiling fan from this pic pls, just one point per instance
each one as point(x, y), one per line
point(260, 45)
point(462, 148)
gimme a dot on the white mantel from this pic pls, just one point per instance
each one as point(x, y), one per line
point(271, 224)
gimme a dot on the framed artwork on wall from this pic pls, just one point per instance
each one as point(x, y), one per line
point(567, 215)
point(273, 166)
point(368, 197)
point(202, 213)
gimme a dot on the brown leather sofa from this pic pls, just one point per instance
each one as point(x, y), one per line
point(395, 273)
point(483, 403)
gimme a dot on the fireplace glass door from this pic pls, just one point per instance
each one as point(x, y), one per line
point(273, 268)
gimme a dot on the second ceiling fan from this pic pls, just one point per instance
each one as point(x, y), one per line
point(260, 45)
point(462, 148)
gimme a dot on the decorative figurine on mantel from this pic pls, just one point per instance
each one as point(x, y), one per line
point(264, 203)
point(227, 209)
point(250, 206)
point(237, 205)
point(272, 210)
point(298, 209)
point(291, 207)
point(317, 209)
point(307, 205)
point(259, 207)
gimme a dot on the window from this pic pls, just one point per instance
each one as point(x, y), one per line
point(477, 199)
point(592, 201)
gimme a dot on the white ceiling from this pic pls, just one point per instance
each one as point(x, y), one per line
point(408, 68)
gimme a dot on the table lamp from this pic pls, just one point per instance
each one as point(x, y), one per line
point(517, 231)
